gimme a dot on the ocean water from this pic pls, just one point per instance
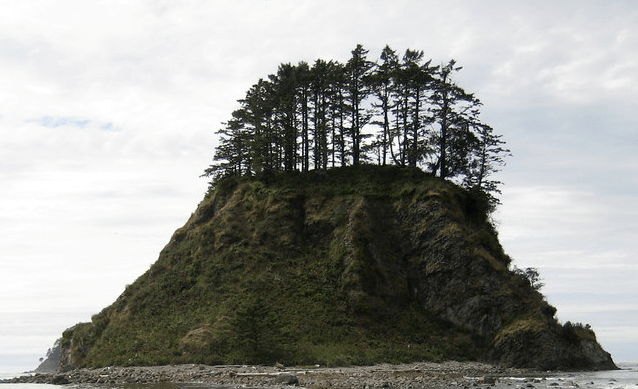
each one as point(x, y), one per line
point(625, 378)
point(4, 375)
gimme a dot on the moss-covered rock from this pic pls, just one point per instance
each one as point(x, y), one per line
point(351, 266)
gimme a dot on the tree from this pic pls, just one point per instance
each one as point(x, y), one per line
point(531, 275)
point(303, 93)
point(416, 79)
point(255, 330)
point(233, 154)
point(284, 92)
point(257, 118)
point(357, 74)
point(320, 91)
point(383, 86)
point(487, 159)
point(338, 108)
point(453, 110)
point(302, 116)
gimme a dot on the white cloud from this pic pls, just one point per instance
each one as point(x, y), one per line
point(572, 53)
point(544, 211)
point(568, 228)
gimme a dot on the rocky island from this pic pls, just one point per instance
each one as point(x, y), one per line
point(353, 266)
point(302, 253)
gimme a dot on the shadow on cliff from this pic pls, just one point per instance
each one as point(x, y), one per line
point(356, 265)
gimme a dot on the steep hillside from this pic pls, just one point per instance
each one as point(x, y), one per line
point(350, 266)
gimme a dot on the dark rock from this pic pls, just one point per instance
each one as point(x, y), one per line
point(544, 348)
point(488, 380)
point(52, 360)
point(286, 379)
point(60, 380)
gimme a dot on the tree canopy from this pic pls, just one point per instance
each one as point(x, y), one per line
point(398, 110)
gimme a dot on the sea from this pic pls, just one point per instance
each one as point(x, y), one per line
point(625, 378)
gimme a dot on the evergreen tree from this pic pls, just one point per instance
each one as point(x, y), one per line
point(416, 79)
point(338, 108)
point(320, 91)
point(318, 115)
point(487, 159)
point(231, 155)
point(284, 93)
point(357, 79)
point(453, 109)
point(256, 335)
point(383, 86)
point(257, 116)
point(303, 92)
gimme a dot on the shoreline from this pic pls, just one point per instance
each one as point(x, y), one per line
point(410, 375)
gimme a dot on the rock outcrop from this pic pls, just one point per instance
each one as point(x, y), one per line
point(353, 266)
point(52, 361)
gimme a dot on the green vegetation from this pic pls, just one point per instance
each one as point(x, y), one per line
point(347, 222)
point(230, 288)
point(402, 111)
point(354, 265)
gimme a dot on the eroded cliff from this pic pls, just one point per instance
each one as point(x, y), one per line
point(353, 266)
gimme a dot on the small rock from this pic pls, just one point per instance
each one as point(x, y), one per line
point(488, 380)
point(286, 379)
point(60, 380)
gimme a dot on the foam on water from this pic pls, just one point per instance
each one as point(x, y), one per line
point(625, 378)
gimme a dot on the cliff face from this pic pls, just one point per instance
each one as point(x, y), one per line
point(351, 266)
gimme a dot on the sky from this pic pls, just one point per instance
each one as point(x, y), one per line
point(108, 113)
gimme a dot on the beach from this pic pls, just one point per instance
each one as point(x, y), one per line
point(414, 375)
point(425, 375)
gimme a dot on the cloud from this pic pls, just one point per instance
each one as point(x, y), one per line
point(543, 206)
point(568, 227)
point(576, 53)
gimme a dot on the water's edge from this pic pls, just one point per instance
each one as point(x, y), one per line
point(414, 375)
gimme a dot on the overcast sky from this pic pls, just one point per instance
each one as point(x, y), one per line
point(108, 111)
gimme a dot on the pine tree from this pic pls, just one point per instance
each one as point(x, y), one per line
point(453, 109)
point(487, 159)
point(357, 73)
point(284, 93)
point(304, 78)
point(318, 115)
point(383, 85)
point(231, 155)
point(320, 91)
point(417, 79)
point(338, 108)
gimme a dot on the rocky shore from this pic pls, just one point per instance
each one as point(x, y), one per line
point(414, 375)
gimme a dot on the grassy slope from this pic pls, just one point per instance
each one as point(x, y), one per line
point(283, 271)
